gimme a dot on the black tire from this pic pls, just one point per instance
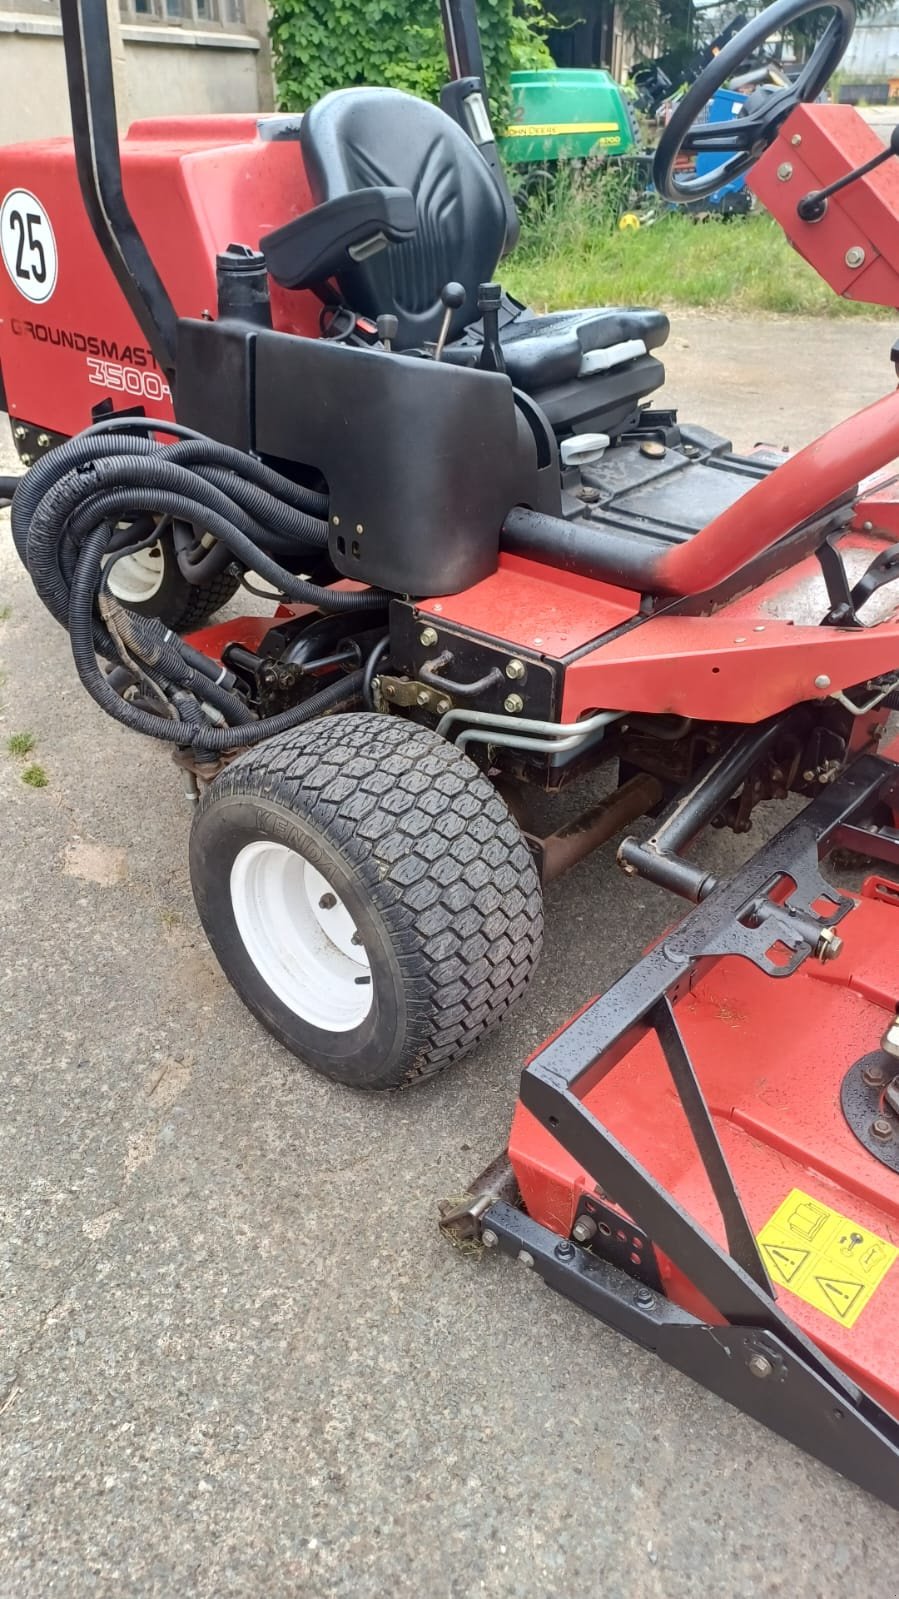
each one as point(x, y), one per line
point(423, 854)
point(182, 606)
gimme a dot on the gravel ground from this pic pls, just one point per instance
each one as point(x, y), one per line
point(237, 1359)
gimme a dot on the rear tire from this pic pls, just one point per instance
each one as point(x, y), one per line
point(361, 847)
point(151, 583)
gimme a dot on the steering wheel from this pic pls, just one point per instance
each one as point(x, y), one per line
point(743, 139)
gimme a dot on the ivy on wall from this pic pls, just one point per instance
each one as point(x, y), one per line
point(319, 45)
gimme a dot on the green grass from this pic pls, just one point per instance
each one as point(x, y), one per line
point(35, 776)
point(571, 253)
point(5, 613)
point(20, 743)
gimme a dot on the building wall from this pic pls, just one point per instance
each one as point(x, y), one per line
point(171, 56)
point(874, 49)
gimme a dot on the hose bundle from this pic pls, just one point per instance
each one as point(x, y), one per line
point(104, 493)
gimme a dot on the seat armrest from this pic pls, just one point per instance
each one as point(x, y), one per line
point(333, 236)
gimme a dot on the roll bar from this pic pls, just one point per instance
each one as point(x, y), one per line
point(85, 31)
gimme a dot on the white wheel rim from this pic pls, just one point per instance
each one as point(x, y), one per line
point(300, 937)
point(136, 578)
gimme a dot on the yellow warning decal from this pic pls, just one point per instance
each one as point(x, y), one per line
point(536, 130)
point(831, 1262)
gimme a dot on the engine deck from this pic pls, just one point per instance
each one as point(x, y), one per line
point(666, 482)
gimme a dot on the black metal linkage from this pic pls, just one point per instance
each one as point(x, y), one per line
point(740, 1238)
point(753, 1368)
point(658, 858)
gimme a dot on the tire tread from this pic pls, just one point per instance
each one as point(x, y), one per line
point(440, 855)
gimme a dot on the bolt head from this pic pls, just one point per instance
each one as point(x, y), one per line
point(874, 1076)
point(881, 1128)
point(335, 521)
point(43, 440)
point(525, 1258)
point(584, 1229)
point(327, 902)
point(360, 527)
point(760, 1366)
point(855, 256)
point(564, 1250)
point(785, 172)
point(867, 527)
point(829, 945)
point(645, 1298)
point(423, 697)
point(822, 680)
point(26, 460)
point(443, 706)
point(515, 669)
point(390, 691)
point(427, 637)
point(489, 1238)
point(513, 703)
point(796, 139)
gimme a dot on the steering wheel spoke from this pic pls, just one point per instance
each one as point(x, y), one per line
point(742, 140)
point(722, 138)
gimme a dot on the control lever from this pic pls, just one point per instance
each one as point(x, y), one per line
point(452, 295)
point(489, 301)
point(813, 206)
point(387, 326)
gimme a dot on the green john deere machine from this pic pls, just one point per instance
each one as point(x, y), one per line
point(566, 114)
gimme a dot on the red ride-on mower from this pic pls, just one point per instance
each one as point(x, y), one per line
point(496, 566)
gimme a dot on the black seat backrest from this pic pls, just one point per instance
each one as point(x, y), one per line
point(356, 138)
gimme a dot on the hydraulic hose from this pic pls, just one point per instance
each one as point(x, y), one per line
point(283, 488)
point(117, 486)
point(48, 470)
point(87, 576)
point(112, 491)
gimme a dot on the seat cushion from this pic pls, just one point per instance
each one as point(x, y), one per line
point(358, 138)
point(542, 351)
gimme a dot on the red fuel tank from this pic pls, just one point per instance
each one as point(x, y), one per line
point(68, 339)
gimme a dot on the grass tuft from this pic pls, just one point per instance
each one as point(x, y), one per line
point(572, 253)
point(20, 743)
point(5, 613)
point(35, 777)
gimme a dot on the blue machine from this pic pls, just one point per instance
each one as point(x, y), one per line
point(732, 198)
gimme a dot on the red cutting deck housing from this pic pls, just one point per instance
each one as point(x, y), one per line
point(777, 1113)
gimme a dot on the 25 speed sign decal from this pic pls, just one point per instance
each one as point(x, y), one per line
point(28, 246)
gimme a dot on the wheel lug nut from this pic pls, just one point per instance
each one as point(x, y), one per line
point(327, 902)
point(356, 938)
point(881, 1128)
point(874, 1076)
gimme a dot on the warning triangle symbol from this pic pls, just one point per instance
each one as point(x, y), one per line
point(841, 1293)
point(786, 1260)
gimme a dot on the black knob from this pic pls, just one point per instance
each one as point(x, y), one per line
point(490, 297)
point(387, 325)
point(453, 295)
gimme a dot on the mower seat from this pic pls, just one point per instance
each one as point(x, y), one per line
point(581, 366)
